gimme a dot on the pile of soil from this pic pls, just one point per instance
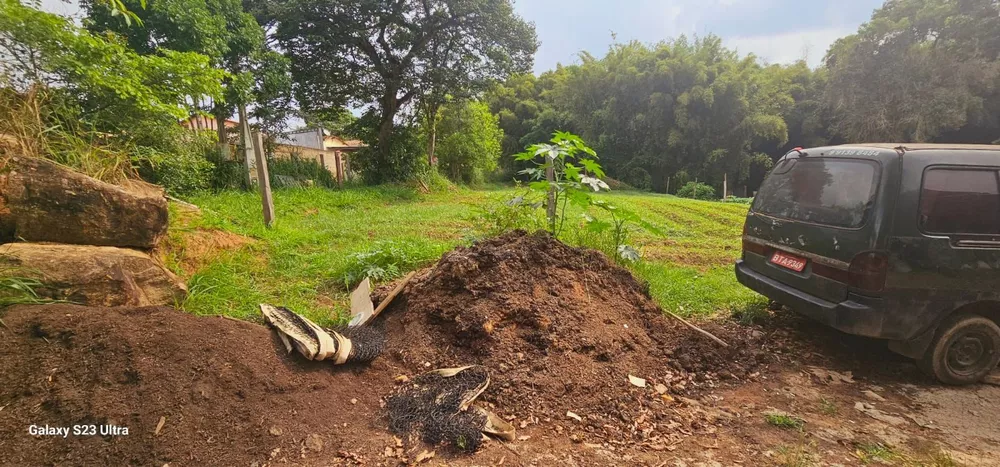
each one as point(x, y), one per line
point(228, 393)
point(560, 329)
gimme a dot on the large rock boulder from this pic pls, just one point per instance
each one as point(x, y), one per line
point(41, 201)
point(94, 275)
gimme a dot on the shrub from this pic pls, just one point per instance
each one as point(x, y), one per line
point(696, 190)
point(299, 170)
point(468, 142)
point(402, 162)
point(500, 214)
point(181, 165)
point(639, 178)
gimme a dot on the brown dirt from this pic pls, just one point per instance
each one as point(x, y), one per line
point(228, 392)
point(560, 329)
point(549, 322)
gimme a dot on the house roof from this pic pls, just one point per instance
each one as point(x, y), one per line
point(336, 142)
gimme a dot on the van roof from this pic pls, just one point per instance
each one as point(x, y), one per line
point(925, 146)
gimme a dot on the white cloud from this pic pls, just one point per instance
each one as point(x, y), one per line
point(788, 47)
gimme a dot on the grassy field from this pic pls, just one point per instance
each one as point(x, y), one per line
point(232, 263)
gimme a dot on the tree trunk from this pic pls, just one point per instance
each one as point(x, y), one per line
point(389, 108)
point(220, 128)
point(432, 112)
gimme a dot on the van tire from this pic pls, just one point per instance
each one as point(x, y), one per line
point(966, 348)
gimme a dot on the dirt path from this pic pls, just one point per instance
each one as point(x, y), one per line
point(859, 404)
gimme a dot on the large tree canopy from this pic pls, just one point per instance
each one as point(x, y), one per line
point(388, 53)
point(917, 71)
point(219, 29)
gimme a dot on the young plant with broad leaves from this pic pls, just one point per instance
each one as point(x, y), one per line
point(567, 171)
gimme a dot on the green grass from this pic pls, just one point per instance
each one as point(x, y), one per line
point(782, 420)
point(320, 236)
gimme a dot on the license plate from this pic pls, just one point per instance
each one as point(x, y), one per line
point(788, 261)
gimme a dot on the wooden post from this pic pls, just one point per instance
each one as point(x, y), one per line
point(725, 184)
point(248, 152)
point(340, 168)
point(262, 179)
point(550, 207)
point(668, 186)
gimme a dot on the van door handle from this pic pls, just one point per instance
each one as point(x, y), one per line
point(978, 243)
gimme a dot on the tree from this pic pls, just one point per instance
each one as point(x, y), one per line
point(113, 86)
point(219, 29)
point(386, 54)
point(470, 141)
point(917, 71)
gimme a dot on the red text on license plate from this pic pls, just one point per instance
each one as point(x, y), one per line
point(786, 260)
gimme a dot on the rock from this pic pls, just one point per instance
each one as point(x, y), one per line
point(873, 395)
point(275, 431)
point(95, 275)
point(41, 201)
point(879, 415)
point(314, 443)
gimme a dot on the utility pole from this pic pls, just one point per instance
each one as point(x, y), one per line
point(262, 179)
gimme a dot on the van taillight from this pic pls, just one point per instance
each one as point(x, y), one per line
point(867, 271)
point(754, 247)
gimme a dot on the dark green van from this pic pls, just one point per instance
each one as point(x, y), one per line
point(897, 242)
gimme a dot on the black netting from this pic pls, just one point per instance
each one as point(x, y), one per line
point(367, 342)
point(431, 405)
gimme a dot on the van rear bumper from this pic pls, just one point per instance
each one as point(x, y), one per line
point(862, 316)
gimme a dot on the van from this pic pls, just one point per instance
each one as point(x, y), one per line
point(896, 242)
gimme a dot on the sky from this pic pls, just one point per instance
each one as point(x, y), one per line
point(778, 31)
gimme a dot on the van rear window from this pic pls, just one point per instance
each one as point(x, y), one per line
point(960, 201)
point(834, 192)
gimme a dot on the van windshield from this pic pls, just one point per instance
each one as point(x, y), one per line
point(834, 192)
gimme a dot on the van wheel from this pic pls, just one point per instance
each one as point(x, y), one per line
point(965, 349)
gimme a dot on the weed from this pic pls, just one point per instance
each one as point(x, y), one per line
point(869, 453)
point(782, 420)
point(800, 455)
point(827, 407)
point(502, 214)
point(754, 312)
point(385, 261)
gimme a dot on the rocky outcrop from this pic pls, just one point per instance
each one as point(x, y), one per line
point(94, 275)
point(41, 201)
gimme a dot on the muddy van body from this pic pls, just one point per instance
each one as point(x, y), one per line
point(897, 242)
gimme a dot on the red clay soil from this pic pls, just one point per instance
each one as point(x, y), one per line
point(559, 328)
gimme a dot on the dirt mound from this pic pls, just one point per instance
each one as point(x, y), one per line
point(560, 329)
point(227, 391)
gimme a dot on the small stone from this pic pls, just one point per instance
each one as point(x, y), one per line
point(524, 424)
point(275, 431)
point(354, 401)
point(873, 396)
point(389, 452)
point(637, 381)
point(402, 379)
point(660, 389)
point(427, 364)
point(314, 443)
point(575, 438)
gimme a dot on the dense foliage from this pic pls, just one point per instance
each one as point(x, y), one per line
point(389, 54)
point(469, 141)
point(665, 114)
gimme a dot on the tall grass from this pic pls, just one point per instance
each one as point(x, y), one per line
point(35, 124)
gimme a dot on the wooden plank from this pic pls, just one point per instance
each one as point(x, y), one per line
point(263, 181)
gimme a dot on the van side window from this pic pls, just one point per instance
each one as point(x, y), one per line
point(960, 201)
